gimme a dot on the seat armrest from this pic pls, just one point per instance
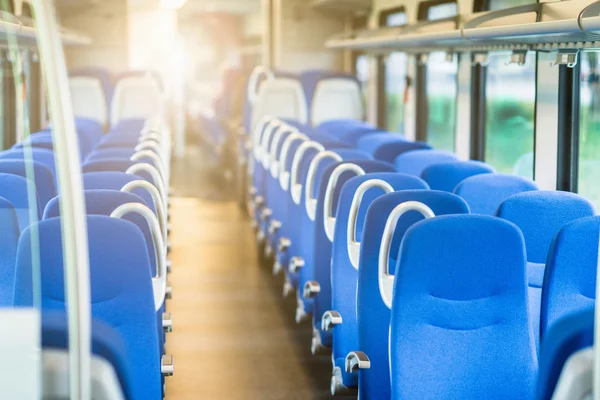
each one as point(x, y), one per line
point(357, 360)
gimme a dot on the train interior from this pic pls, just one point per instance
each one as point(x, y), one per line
point(299, 199)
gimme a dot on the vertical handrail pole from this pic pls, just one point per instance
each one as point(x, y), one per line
point(72, 206)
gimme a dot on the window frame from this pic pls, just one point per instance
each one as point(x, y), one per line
point(382, 110)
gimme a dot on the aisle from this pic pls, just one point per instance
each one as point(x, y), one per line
point(233, 336)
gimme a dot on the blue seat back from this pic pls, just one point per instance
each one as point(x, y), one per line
point(43, 156)
point(540, 215)
point(344, 276)
point(485, 192)
point(42, 177)
point(568, 335)
point(16, 190)
point(114, 180)
point(320, 259)
point(387, 146)
point(373, 314)
point(111, 152)
point(121, 288)
point(570, 277)
point(108, 164)
point(9, 236)
point(416, 161)
point(459, 321)
point(105, 343)
point(446, 176)
point(104, 202)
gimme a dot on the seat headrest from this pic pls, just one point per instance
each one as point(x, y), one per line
point(446, 176)
point(115, 180)
point(570, 275)
point(388, 146)
point(108, 164)
point(540, 215)
point(119, 263)
point(461, 288)
point(569, 335)
point(416, 161)
point(485, 192)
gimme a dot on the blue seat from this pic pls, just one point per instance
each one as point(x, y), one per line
point(540, 215)
point(43, 156)
point(9, 236)
point(45, 140)
point(291, 229)
point(485, 192)
point(459, 322)
point(115, 180)
point(416, 161)
point(305, 240)
point(387, 146)
point(372, 310)
point(446, 176)
point(295, 207)
point(344, 275)
point(121, 289)
point(570, 333)
point(17, 190)
point(42, 177)
point(93, 130)
point(106, 343)
point(348, 131)
point(318, 264)
point(117, 140)
point(111, 152)
point(108, 164)
point(570, 278)
point(104, 202)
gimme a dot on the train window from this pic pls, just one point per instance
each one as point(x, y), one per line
point(437, 9)
point(442, 89)
point(362, 74)
point(500, 4)
point(510, 106)
point(442, 86)
point(589, 139)
point(394, 75)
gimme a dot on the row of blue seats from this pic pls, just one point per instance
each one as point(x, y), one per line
point(213, 125)
point(408, 260)
point(125, 180)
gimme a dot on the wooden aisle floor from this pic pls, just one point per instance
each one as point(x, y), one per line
point(233, 334)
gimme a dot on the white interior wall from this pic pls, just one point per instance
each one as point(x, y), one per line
point(302, 31)
point(105, 22)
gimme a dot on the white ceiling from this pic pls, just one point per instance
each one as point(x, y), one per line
point(222, 6)
point(192, 6)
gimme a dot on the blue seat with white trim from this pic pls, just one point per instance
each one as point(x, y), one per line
point(416, 161)
point(387, 146)
point(570, 276)
point(567, 345)
point(317, 283)
point(485, 192)
point(305, 257)
point(43, 156)
point(374, 298)
point(42, 177)
point(17, 190)
point(355, 198)
point(446, 176)
point(121, 289)
point(9, 237)
point(459, 321)
point(540, 215)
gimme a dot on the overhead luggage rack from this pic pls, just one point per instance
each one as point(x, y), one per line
point(572, 24)
point(24, 31)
